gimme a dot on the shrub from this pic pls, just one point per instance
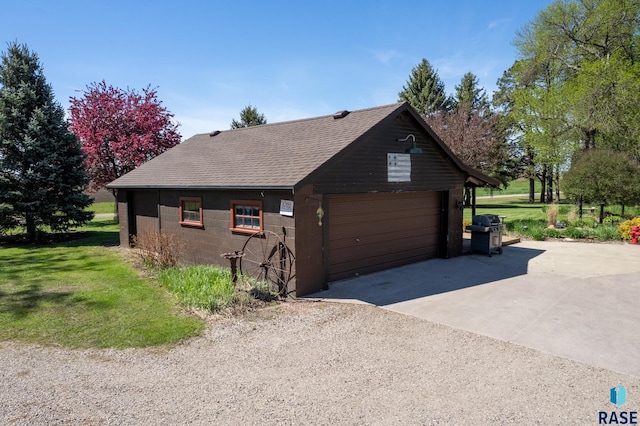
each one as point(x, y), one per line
point(159, 249)
point(552, 214)
point(585, 222)
point(575, 233)
point(613, 219)
point(465, 223)
point(605, 233)
point(625, 227)
point(572, 216)
point(538, 234)
point(553, 233)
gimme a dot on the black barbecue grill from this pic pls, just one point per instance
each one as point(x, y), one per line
point(486, 233)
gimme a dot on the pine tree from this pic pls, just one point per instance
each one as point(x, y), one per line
point(249, 116)
point(469, 95)
point(425, 91)
point(42, 172)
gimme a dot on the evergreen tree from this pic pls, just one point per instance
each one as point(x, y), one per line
point(469, 95)
point(425, 91)
point(42, 172)
point(249, 116)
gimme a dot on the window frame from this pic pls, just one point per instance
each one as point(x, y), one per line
point(193, 223)
point(248, 203)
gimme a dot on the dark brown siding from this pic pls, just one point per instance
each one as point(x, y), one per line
point(363, 166)
point(371, 232)
point(309, 247)
point(205, 244)
point(454, 243)
point(146, 211)
point(123, 219)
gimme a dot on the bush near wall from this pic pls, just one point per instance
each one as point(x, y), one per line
point(625, 227)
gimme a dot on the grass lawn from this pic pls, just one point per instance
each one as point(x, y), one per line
point(512, 208)
point(82, 293)
point(100, 208)
point(531, 221)
point(518, 186)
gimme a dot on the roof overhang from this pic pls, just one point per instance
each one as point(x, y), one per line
point(202, 187)
point(476, 178)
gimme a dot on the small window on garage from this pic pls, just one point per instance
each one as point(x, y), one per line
point(191, 211)
point(246, 215)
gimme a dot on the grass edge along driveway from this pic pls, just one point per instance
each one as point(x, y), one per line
point(84, 294)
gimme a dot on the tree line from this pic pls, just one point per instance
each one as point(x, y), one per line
point(566, 113)
point(567, 107)
point(47, 162)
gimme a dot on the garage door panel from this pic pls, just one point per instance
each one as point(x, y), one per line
point(367, 207)
point(386, 237)
point(380, 216)
point(369, 232)
point(369, 202)
point(373, 216)
point(351, 268)
point(374, 248)
point(361, 229)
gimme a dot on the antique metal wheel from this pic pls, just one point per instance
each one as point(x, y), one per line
point(267, 259)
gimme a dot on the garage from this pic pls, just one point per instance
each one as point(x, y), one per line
point(372, 232)
point(349, 193)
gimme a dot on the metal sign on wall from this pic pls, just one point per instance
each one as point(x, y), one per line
point(398, 167)
point(286, 207)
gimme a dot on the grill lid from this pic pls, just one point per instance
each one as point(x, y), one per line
point(486, 220)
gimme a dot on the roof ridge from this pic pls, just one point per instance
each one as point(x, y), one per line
point(299, 120)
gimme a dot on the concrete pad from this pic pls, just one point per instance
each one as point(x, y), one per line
point(575, 300)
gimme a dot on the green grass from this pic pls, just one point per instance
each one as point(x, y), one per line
point(102, 208)
point(82, 293)
point(512, 207)
point(530, 220)
point(211, 288)
point(201, 286)
point(518, 186)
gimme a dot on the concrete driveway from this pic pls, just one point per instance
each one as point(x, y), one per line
point(575, 300)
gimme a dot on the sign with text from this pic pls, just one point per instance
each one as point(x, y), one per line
point(286, 207)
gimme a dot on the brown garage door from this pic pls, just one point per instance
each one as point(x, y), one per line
point(371, 232)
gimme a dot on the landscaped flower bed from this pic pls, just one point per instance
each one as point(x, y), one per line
point(584, 229)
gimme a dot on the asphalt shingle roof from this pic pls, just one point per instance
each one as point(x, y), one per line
point(277, 155)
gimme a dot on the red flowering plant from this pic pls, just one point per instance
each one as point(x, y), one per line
point(120, 130)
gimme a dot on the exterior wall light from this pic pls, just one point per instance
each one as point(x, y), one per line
point(413, 149)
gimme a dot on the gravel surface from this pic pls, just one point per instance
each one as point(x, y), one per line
point(307, 363)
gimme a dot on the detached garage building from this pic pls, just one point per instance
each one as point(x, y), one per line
point(388, 191)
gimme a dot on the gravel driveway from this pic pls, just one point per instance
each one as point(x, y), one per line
point(307, 363)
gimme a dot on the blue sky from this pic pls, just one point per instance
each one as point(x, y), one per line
point(290, 59)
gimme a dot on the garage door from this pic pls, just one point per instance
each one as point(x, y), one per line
point(371, 232)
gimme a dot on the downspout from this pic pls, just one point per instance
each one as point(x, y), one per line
point(159, 217)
